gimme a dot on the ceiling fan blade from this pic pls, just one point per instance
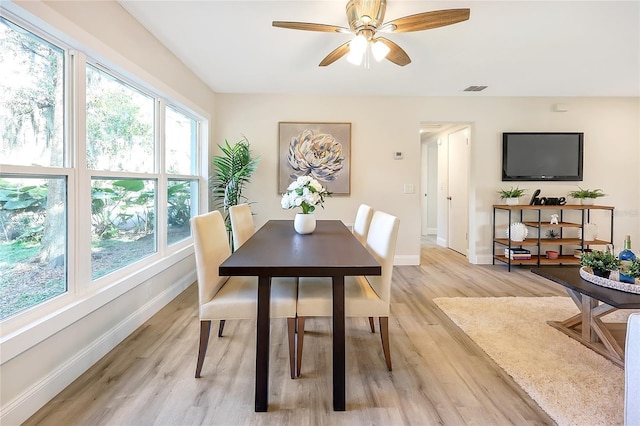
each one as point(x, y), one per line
point(425, 21)
point(396, 54)
point(335, 55)
point(308, 26)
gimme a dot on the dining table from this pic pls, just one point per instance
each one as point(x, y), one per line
point(277, 250)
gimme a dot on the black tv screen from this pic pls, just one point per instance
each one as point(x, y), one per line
point(542, 156)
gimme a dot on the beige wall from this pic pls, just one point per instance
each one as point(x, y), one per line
point(382, 125)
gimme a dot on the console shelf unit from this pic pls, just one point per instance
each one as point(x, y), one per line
point(536, 243)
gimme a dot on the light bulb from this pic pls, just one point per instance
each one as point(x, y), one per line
point(379, 50)
point(357, 46)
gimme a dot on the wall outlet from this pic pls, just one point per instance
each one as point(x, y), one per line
point(409, 188)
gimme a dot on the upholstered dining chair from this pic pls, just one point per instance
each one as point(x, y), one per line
point(222, 297)
point(362, 223)
point(632, 371)
point(242, 227)
point(366, 296)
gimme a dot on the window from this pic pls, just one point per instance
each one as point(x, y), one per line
point(33, 196)
point(117, 173)
point(122, 223)
point(182, 194)
point(119, 125)
point(31, 99)
point(120, 138)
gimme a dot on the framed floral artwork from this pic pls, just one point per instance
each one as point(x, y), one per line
point(320, 150)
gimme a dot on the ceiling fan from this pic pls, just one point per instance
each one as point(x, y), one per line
point(366, 20)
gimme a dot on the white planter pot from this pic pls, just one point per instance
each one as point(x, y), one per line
point(304, 223)
point(513, 201)
point(587, 201)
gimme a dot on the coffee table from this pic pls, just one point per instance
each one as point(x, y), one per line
point(594, 302)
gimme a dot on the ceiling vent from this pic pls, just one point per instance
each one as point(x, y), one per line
point(475, 88)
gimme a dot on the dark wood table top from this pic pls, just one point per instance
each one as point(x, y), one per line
point(277, 250)
point(570, 277)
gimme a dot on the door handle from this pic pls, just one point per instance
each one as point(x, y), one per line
point(448, 198)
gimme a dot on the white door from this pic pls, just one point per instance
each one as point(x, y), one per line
point(458, 198)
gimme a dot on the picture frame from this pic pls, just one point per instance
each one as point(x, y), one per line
point(319, 149)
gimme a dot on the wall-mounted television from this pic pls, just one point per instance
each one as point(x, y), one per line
point(542, 156)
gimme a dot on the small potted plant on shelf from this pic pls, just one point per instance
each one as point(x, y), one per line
point(600, 262)
point(511, 195)
point(586, 196)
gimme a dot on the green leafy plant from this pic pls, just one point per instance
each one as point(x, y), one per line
point(511, 192)
point(232, 171)
point(634, 268)
point(600, 261)
point(587, 193)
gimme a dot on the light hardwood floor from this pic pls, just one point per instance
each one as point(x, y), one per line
point(439, 375)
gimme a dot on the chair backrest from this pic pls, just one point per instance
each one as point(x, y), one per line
point(632, 371)
point(381, 243)
point(242, 226)
point(211, 249)
point(362, 223)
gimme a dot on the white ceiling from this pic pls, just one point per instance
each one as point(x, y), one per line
point(516, 48)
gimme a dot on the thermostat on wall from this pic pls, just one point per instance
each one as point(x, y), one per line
point(397, 155)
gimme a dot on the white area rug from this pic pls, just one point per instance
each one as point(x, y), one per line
point(570, 382)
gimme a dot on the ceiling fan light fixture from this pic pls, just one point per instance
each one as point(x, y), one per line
point(379, 50)
point(357, 47)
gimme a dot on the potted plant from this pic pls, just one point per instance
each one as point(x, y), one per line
point(601, 262)
point(511, 195)
point(231, 172)
point(307, 193)
point(586, 196)
point(634, 268)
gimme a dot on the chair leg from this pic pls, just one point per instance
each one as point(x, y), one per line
point(384, 335)
point(291, 331)
point(205, 328)
point(221, 328)
point(299, 345)
point(371, 324)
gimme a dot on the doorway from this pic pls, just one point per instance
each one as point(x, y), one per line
point(445, 184)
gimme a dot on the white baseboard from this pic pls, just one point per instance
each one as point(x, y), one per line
point(442, 242)
point(25, 405)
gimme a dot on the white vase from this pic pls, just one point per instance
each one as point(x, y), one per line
point(304, 223)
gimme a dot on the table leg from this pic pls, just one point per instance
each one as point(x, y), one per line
point(588, 304)
point(339, 363)
point(262, 344)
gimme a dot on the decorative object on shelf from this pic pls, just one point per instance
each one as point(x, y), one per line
point(587, 196)
point(307, 193)
point(551, 254)
point(553, 234)
point(590, 232)
point(517, 231)
point(589, 275)
point(511, 195)
point(578, 252)
point(554, 219)
point(601, 262)
point(546, 201)
point(626, 256)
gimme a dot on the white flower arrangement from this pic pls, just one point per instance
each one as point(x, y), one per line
point(304, 192)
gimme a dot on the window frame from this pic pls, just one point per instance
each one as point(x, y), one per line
point(84, 295)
